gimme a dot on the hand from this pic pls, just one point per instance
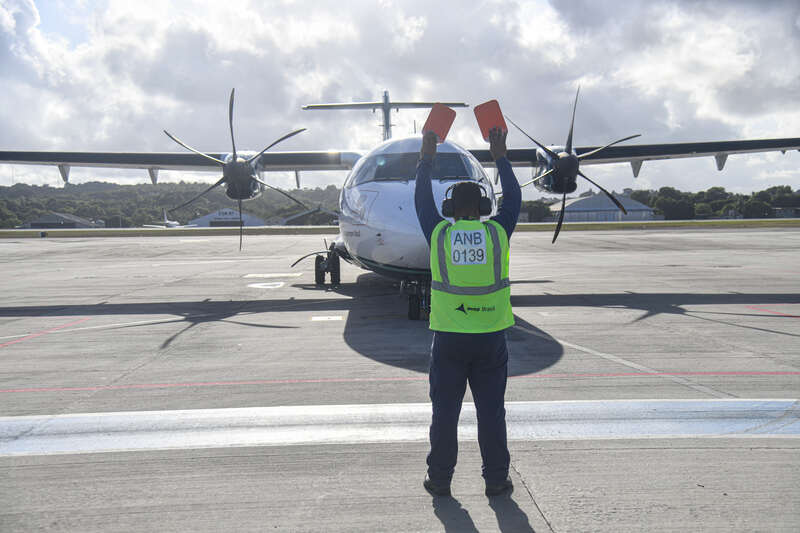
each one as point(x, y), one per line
point(497, 143)
point(428, 146)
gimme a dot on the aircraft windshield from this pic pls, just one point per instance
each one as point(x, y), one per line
point(403, 167)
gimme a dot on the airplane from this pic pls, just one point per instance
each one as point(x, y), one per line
point(378, 225)
point(169, 223)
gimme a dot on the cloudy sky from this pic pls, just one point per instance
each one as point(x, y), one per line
point(109, 75)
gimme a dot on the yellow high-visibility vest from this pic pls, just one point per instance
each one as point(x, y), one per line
point(470, 288)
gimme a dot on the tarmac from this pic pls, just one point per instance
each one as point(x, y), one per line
point(177, 384)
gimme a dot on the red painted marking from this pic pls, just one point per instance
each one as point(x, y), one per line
point(387, 379)
point(45, 332)
point(770, 311)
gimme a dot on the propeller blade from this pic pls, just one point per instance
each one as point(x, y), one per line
point(230, 121)
point(307, 255)
point(295, 132)
point(241, 224)
point(568, 148)
point(587, 154)
point(616, 202)
point(537, 178)
point(560, 217)
point(286, 194)
point(547, 150)
point(222, 179)
point(198, 152)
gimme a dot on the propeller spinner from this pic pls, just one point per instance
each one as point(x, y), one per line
point(565, 168)
point(238, 174)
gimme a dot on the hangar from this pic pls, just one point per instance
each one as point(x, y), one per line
point(597, 207)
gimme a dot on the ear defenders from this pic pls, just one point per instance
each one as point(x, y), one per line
point(484, 205)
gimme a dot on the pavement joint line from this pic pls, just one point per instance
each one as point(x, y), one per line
point(630, 364)
point(387, 423)
point(530, 494)
point(378, 379)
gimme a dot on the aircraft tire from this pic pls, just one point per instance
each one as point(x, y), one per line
point(319, 272)
point(413, 307)
point(334, 267)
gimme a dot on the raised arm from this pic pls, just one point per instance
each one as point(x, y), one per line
point(508, 213)
point(427, 214)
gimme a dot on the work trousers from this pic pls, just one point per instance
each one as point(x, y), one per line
point(482, 360)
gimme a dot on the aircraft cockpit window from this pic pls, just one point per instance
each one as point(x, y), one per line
point(403, 167)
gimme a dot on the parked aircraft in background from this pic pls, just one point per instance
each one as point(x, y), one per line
point(379, 230)
point(169, 223)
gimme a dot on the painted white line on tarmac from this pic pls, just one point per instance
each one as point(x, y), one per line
point(629, 364)
point(352, 424)
point(268, 285)
point(292, 275)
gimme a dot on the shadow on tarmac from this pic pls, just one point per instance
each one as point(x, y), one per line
point(452, 515)
point(377, 326)
point(509, 516)
point(456, 519)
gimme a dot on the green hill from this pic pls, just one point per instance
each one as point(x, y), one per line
point(134, 205)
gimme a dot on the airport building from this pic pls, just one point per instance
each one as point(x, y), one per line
point(597, 207)
point(225, 218)
point(55, 220)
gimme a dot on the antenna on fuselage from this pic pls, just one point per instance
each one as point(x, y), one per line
point(386, 106)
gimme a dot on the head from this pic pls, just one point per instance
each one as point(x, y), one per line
point(466, 201)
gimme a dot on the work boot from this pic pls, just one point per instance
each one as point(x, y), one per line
point(436, 489)
point(496, 489)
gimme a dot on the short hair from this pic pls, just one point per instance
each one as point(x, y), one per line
point(466, 196)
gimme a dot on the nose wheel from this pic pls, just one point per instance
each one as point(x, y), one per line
point(329, 264)
point(419, 298)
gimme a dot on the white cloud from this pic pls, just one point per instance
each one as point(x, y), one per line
point(114, 77)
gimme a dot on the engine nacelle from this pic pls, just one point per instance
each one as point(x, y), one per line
point(554, 184)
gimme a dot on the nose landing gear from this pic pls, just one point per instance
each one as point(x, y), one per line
point(328, 264)
point(419, 297)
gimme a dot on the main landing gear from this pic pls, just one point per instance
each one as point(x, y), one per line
point(419, 297)
point(329, 264)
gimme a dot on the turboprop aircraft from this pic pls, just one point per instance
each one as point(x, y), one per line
point(168, 223)
point(378, 224)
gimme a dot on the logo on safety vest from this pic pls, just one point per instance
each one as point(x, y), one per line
point(483, 309)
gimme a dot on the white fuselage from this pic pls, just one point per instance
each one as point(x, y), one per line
point(378, 223)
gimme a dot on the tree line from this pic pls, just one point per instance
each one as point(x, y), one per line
point(715, 202)
point(126, 206)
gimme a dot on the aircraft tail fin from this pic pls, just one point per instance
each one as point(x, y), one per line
point(386, 106)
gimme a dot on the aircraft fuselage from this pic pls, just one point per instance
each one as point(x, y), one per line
point(379, 230)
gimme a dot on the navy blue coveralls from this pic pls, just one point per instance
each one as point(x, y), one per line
point(478, 358)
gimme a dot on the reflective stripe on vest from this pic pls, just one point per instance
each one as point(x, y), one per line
point(499, 281)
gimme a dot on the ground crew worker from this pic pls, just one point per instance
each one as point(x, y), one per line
point(470, 311)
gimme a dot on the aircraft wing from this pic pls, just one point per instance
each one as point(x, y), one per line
point(378, 105)
point(155, 161)
point(635, 154)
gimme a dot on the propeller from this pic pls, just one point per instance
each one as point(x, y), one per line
point(237, 173)
point(566, 166)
